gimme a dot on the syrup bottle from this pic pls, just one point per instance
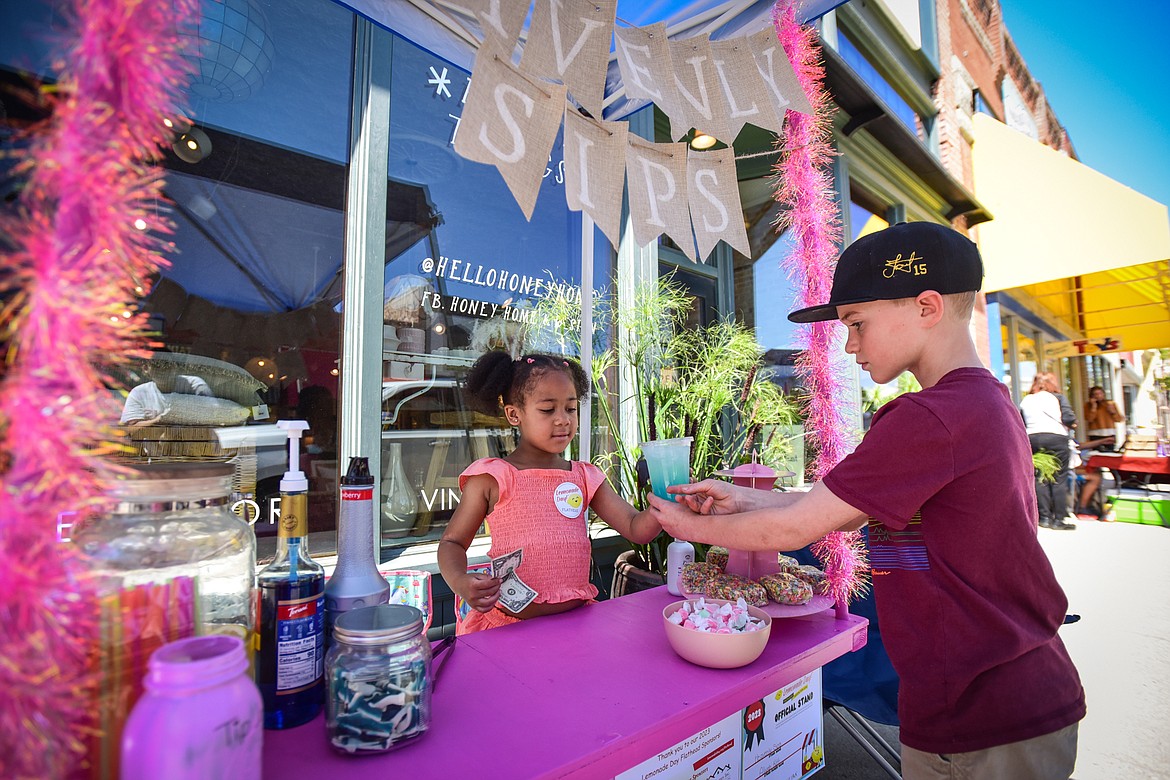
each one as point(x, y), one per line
point(290, 663)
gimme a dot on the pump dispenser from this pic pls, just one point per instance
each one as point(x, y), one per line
point(356, 582)
point(290, 664)
point(294, 480)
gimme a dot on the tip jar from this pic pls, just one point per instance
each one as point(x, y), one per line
point(170, 561)
point(378, 673)
point(171, 533)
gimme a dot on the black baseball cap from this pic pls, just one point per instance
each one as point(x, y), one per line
point(900, 262)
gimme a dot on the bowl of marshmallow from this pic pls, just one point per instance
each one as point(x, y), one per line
point(717, 633)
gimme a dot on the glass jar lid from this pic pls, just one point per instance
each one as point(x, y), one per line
point(379, 624)
point(134, 484)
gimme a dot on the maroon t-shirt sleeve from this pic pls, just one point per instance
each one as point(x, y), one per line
point(904, 459)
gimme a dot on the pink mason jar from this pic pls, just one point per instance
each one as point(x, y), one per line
point(201, 716)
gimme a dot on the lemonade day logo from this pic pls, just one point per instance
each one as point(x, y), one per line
point(569, 499)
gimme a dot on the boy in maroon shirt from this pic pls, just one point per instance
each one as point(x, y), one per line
point(967, 600)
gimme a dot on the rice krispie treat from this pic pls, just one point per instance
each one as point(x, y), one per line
point(785, 588)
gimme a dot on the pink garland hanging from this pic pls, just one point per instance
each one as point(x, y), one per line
point(83, 242)
point(804, 186)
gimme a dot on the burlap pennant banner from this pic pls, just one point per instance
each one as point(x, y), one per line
point(777, 73)
point(702, 104)
point(511, 121)
point(748, 98)
point(512, 115)
point(716, 211)
point(657, 177)
point(500, 22)
point(569, 42)
point(644, 60)
point(595, 169)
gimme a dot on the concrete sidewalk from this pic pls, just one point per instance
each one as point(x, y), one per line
point(1117, 577)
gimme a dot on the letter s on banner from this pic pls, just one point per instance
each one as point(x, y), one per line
point(491, 134)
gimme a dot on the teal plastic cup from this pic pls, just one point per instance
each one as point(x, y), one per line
point(669, 461)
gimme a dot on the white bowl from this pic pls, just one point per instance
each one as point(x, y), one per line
point(717, 651)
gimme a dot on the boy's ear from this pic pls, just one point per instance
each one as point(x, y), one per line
point(931, 307)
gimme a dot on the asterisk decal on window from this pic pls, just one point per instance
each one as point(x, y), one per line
point(440, 82)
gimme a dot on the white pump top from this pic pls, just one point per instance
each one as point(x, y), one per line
point(294, 480)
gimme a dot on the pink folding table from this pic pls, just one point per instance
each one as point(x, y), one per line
point(586, 694)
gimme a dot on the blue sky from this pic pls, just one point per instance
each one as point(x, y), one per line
point(1104, 69)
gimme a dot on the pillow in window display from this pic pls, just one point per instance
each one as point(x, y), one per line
point(226, 380)
point(184, 409)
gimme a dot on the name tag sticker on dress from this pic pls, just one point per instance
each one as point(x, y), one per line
point(569, 499)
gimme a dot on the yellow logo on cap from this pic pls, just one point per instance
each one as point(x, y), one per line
point(911, 265)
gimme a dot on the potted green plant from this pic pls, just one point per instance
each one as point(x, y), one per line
point(704, 383)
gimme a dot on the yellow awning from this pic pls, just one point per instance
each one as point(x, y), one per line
point(1091, 250)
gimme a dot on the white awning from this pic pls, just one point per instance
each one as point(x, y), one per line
point(1092, 251)
point(1054, 217)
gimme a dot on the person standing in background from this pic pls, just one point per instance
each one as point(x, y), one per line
point(1047, 419)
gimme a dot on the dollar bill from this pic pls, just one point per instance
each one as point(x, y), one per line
point(503, 566)
point(515, 594)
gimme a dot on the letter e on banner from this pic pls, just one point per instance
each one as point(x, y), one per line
point(644, 60)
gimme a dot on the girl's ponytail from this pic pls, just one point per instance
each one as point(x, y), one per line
point(489, 382)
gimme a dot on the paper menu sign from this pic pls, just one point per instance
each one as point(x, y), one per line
point(783, 734)
point(712, 754)
point(780, 737)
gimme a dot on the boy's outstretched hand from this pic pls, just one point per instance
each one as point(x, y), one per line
point(677, 518)
point(709, 497)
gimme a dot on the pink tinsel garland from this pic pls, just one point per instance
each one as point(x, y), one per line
point(804, 185)
point(83, 246)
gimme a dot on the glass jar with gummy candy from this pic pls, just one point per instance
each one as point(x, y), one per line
point(378, 674)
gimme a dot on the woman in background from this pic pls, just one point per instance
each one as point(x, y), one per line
point(1047, 418)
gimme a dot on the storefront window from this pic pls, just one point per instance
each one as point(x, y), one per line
point(464, 271)
point(256, 278)
point(878, 83)
point(248, 308)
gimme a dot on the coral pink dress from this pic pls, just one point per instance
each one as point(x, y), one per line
point(544, 512)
